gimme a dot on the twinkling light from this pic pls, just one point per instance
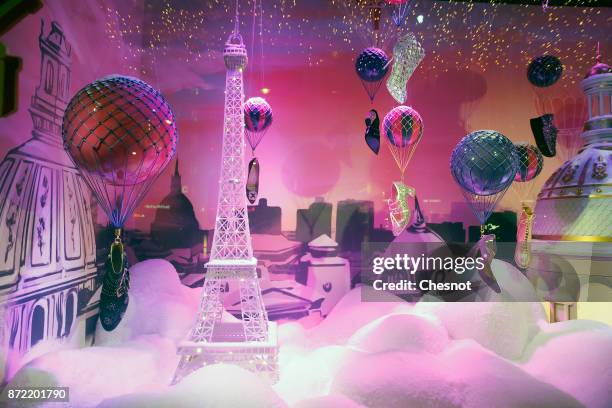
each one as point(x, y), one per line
point(478, 36)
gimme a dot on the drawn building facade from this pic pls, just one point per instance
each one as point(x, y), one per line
point(48, 274)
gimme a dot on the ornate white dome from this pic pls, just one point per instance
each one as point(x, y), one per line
point(575, 203)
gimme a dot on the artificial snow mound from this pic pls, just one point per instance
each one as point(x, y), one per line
point(579, 363)
point(401, 332)
point(307, 374)
point(214, 386)
point(96, 373)
point(503, 327)
point(465, 375)
point(328, 401)
point(364, 354)
point(159, 305)
point(514, 285)
point(351, 313)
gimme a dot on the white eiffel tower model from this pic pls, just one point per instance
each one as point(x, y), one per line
point(218, 337)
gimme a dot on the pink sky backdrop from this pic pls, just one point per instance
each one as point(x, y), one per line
point(315, 146)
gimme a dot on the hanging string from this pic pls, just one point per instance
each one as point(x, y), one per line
point(261, 43)
point(252, 52)
point(237, 21)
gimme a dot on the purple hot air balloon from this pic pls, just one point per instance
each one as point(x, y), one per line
point(371, 66)
point(484, 164)
point(257, 120)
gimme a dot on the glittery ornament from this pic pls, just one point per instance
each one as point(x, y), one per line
point(544, 71)
point(407, 55)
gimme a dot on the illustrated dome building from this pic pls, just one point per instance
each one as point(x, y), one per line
point(572, 230)
point(575, 203)
point(48, 273)
point(175, 224)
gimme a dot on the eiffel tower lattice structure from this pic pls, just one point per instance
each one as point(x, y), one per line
point(218, 337)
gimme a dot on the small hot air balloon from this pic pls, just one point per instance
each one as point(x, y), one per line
point(257, 119)
point(544, 70)
point(530, 162)
point(403, 128)
point(371, 66)
point(484, 164)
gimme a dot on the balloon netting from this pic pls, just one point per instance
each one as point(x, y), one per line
point(482, 206)
point(570, 112)
point(120, 134)
point(484, 163)
point(403, 128)
point(371, 66)
point(530, 162)
point(257, 119)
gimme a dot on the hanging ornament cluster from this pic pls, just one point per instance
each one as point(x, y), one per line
point(257, 119)
point(400, 10)
point(484, 164)
point(121, 134)
point(407, 55)
point(544, 71)
point(371, 66)
point(530, 163)
point(403, 128)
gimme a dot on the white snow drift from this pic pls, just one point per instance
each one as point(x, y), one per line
point(389, 354)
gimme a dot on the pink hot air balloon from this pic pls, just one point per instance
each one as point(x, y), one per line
point(403, 128)
point(257, 120)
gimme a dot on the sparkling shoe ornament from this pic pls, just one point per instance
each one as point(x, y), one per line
point(407, 55)
point(399, 211)
point(252, 184)
point(114, 298)
point(545, 134)
point(522, 253)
